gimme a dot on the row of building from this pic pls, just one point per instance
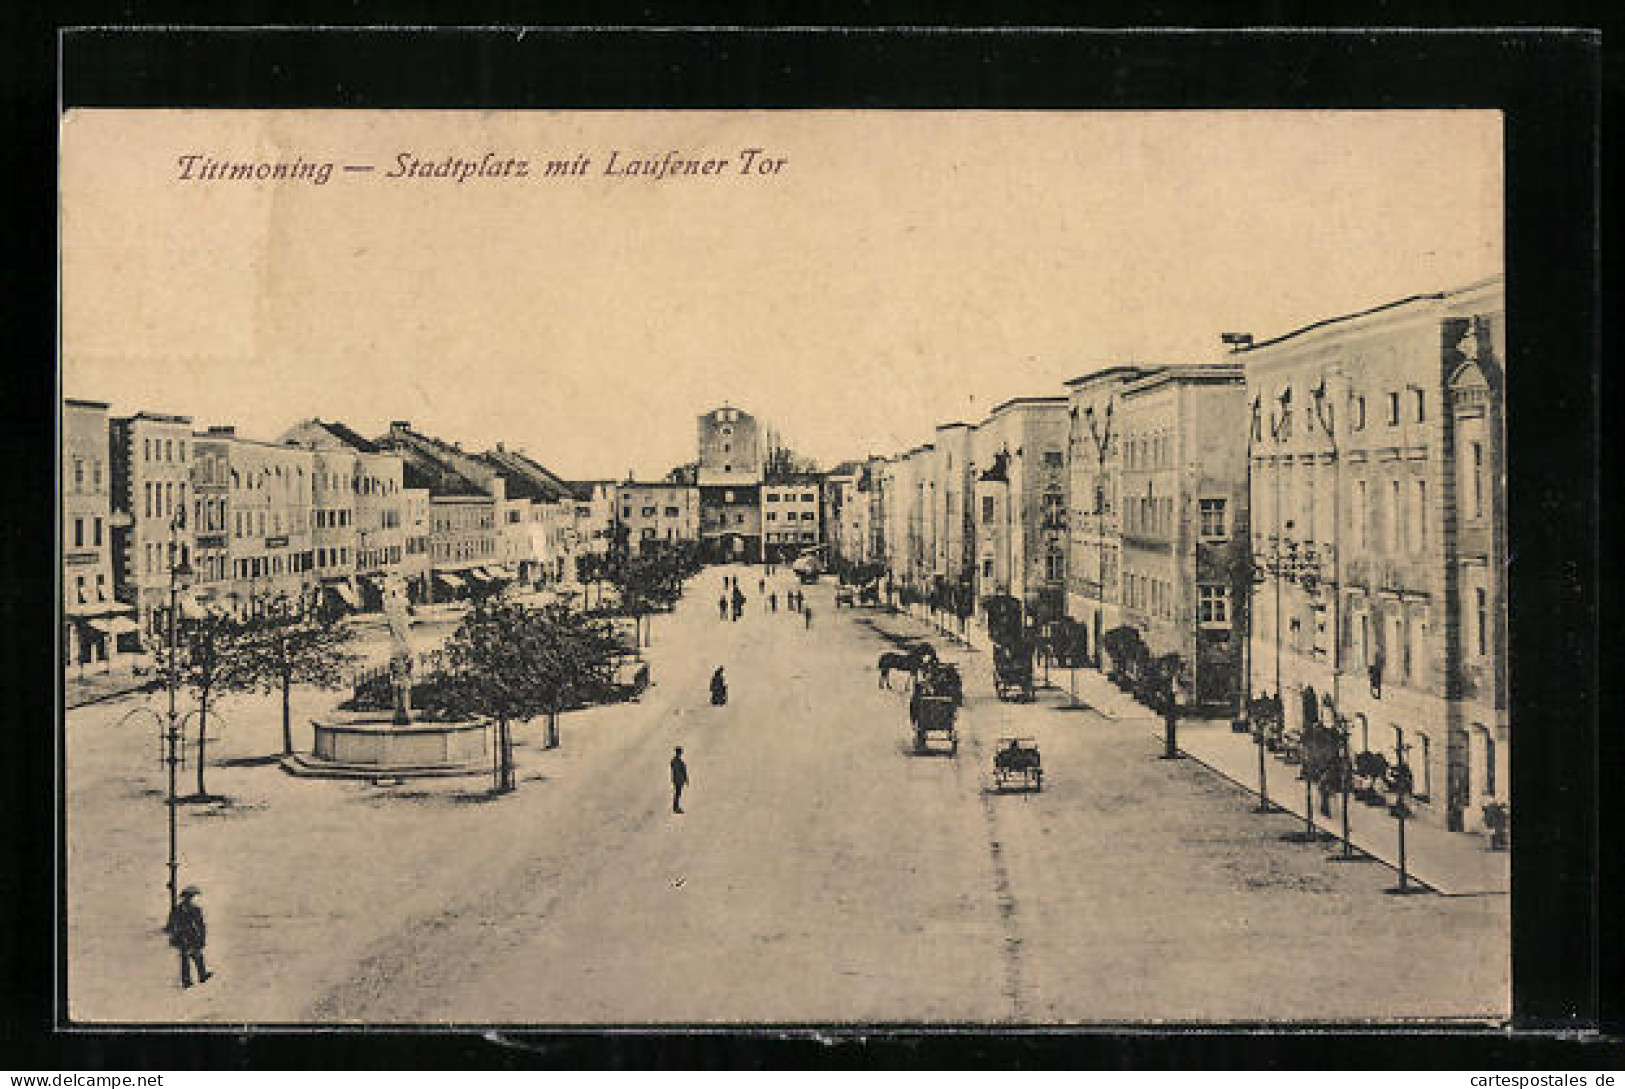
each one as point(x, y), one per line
point(321, 511)
point(1320, 517)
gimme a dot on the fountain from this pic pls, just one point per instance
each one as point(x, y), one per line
point(392, 744)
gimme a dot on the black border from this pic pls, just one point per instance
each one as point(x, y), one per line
point(1549, 85)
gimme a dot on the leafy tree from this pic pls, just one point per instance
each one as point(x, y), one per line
point(213, 657)
point(512, 662)
point(293, 642)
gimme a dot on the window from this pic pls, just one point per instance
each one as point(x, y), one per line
point(78, 533)
point(987, 510)
point(146, 449)
point(1212, 605)
point(1419, 506)
point(772, 516)
point(807, 515)
point(146, 490)
point(1481, 620)
point(1052, 459)
point(806, 497)
point(1419, 402)
point(987, 569)
point(727, 468)
point(727, 447)
point(1361, 514)
point(728, 496)
point(1357, 412)
point(648, 512)
point(169, 449)
point(1213, 517)
point(1393, 408)
point(96, 473)
point(671, 512)
point(183, 449)
point(1478, 480)
point(78, 474)
point(1489, 761)
point(1393, 516)
point(1054, 566)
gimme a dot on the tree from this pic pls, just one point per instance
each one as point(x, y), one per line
point(213, 657)
point(295, 643)
point(511, 662)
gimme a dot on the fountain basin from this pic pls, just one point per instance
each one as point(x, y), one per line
point(369, 746)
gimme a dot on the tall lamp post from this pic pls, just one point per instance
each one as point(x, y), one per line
point(1326, 417)
point(1102, 439)
point(180, 574)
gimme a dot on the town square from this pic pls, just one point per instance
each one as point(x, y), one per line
point(766, 605)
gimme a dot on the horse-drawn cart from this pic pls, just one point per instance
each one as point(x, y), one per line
point(1013, 671)
point(933, 715)
point(1016, 762)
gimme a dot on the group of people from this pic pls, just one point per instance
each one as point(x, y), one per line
point(731, 603)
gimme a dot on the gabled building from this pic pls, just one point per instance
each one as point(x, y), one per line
point(464, 497)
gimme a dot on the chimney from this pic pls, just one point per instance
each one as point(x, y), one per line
point(501, 449)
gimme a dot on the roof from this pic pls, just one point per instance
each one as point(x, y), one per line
point(1127, 371)
point(1432, 296)
point(533, 479)
point(349, 437)
point(434, 461)
point(1188, 372)
point(78, 402)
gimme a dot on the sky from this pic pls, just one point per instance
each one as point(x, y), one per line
point(897, 270)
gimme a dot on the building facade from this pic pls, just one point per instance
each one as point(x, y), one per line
point(1378, 472)
point(1020, 499)
point(791, 516)
point(94, 621)
point(729, 472)
point(1183, 495)
point(1094, 528)
point(657, 514)
point(465, 495)
point(150, 456)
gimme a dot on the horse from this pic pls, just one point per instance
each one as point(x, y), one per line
point(903, 663)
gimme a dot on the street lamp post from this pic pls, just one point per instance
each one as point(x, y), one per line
point(179, 573)
point(1327, 418)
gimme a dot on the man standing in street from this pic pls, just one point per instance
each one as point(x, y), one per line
point(188, 934)
point(722, 607)
point(679, 779)
point(806, 614)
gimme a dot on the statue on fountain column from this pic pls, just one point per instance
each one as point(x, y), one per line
point(398, 611)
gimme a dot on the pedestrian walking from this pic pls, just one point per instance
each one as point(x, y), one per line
point(761, 586)
point(806, 615)
point(679, 780)
point(187, 934)
point(722, 607)
point(773, 602)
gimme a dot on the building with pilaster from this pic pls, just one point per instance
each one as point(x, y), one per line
point(1183, 496)
point(657, 514)
point(465, 494)
point(1378, 482)
point(1093, 526)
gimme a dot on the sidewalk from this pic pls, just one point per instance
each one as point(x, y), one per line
point(95, 687)
point(1449, 863)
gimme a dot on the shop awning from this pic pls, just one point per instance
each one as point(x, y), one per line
point(449, 579)
point(115, 625)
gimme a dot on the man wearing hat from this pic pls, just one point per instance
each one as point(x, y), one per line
point(187, 934)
